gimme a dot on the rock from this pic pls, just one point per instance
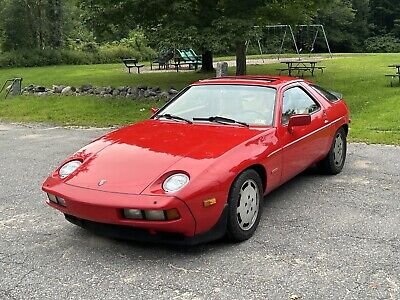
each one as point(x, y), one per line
point(164, 96)
point(40, 89)
point(147, 94)
point(152, 93)
point(123, 94)
point(97, 91)
point(67, 90)
point(115, 92)
point(173, 91)
point(140, 94)
point(58, 89)
point(108, 89)
point(122, 89)
point(142, 87)
point(85, 88)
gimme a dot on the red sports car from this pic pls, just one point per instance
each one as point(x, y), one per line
point(199, 168)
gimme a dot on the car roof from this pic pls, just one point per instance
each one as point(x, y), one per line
point(258, 80)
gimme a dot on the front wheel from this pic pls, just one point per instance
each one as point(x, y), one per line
point(245, 204)
point(333, 163)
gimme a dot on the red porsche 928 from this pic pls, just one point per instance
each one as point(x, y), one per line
point(200, 167)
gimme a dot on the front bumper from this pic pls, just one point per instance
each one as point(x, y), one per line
point(97, 207)
point(143, 235)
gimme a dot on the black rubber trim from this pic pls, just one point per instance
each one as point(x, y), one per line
point(143, 235)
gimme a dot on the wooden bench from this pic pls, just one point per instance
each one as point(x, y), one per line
point(393, 76)
point(132, 63)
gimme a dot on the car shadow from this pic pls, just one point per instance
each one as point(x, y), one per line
point(149, 249)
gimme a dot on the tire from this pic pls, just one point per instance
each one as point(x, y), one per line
point(244, 206)
point(333, 163)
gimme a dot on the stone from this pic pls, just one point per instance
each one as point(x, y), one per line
point(142, 87)
point(172, 91)
point(146, 94)
point(86, 87)
point(122, 89)
point(163, 96)
point(67, 90)
point(58, 89)
point(98, 91)
point(115, 92)
point(140, 94)
point(40, 89)
point(123, 94)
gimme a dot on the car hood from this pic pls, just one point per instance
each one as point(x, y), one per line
point(137, 155)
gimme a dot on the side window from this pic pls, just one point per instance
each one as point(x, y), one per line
point(297, 101)
point(328, 95)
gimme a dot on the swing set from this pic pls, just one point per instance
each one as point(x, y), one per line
point(302, 40)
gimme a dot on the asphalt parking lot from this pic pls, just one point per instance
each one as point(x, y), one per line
point(319, 238)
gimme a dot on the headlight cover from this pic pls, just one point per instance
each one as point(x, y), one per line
point(69, 168)
point(175, 182)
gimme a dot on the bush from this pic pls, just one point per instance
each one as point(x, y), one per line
point(80, 52)
point(383, 44)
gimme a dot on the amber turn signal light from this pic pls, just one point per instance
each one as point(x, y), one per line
point(210, 202)
point(172, 214)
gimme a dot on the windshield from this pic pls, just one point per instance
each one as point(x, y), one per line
point(252, 105)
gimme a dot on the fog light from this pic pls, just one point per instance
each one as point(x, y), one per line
point(61, 201)
point(134, 214)
point(172, 214)
point(52, 198)
point(155, 215)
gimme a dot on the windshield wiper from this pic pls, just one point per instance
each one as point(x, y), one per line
point(173, 117)
point(221, 120)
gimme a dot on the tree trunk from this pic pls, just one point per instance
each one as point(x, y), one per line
point(240, 58)
point(207, 61)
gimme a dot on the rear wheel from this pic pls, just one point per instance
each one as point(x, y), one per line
point(245, 203)
point(333, 163)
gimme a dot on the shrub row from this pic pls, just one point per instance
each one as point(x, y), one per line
point(106, 54)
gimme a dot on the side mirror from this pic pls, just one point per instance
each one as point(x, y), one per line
point(154, 110)
point(298, 120)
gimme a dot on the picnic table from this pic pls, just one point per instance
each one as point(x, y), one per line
point(396, 75)
point(301, 65)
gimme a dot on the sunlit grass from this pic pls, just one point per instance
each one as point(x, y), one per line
point(375, 106)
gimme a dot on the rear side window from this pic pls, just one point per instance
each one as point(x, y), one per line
point(323, 92)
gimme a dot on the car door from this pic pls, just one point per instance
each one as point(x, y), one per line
point(304, 145)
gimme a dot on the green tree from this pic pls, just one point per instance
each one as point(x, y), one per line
point(31, 24)
point(204, 24)
point(338, 17)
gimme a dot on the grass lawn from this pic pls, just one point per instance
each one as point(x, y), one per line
point(375, 106)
